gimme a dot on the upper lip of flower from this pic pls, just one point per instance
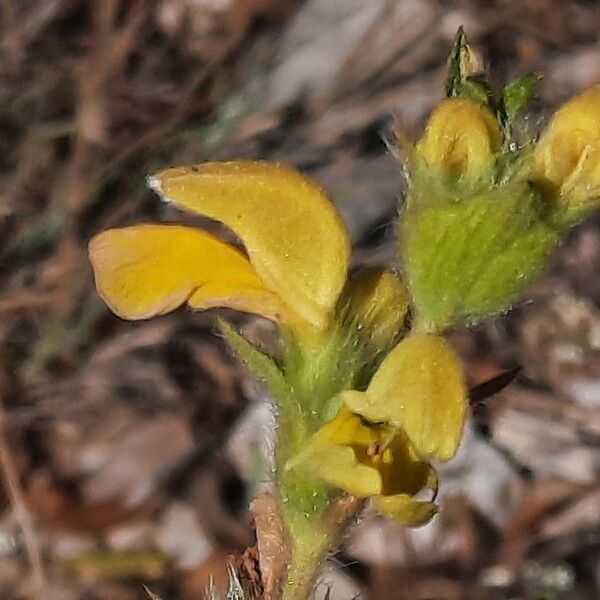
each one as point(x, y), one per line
point(297, 246)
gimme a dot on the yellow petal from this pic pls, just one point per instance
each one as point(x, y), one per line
point(574, 126)
point(335, 452)
point(148, 270)
point(404, 476)
point(345, 429)
point(403, 472)
point(406, 509)
point(293, 235)
point(339, 467)
point(376, 301)
point(460, 140)
point(419, 388)
point(366, 460)
point(228, 294)
point(349, 429)
point(581, 190)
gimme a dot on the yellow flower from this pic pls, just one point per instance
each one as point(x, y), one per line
point(381, 439)
point(566, 160)
point(372, 460)
point(420, 388)
point(460, 142)
point(297, 248)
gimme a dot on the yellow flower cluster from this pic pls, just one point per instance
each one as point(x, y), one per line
point(380, 439)
point(463, 140)
point(485, 207)
point(294, 273)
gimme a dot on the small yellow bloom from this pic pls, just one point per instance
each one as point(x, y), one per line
point(566, 160)
point(460, 141)
point(297, 248)
point(372, 460)
point(381, 439)
point(420, 388)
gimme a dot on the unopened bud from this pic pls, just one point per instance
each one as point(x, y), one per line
point(460, 141)
point(566, 161)
point(376, 303)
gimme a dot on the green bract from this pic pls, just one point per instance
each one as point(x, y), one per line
point(483, 210)
point(469, 258)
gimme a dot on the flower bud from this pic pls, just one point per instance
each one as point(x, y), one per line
point(375, 303)
point(566, 161)
point(460, 141)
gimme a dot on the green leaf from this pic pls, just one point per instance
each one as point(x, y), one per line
point(517, 94)
point(260, 364)
point(454, 77)
point(466, 75)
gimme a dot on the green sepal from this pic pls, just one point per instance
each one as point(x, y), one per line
point(514, 166)
point(260, 364)
point(468, 259)
point(331, 408)
point(566, 217)
point(466, 76)
point(516, 95)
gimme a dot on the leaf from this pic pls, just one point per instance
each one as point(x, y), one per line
point(516, 95)
point(490, 387)
point(260, 364)
point(454, 77)
point(476, 88)
point(466, 75)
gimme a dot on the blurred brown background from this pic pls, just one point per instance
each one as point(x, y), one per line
point(135, 447)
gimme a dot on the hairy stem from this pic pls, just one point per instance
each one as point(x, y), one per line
point(314, 375)
point(304, 504)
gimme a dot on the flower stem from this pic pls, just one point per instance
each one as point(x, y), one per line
point(314, 375)
point(304, 502)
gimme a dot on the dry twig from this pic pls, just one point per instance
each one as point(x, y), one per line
point(22, 514)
